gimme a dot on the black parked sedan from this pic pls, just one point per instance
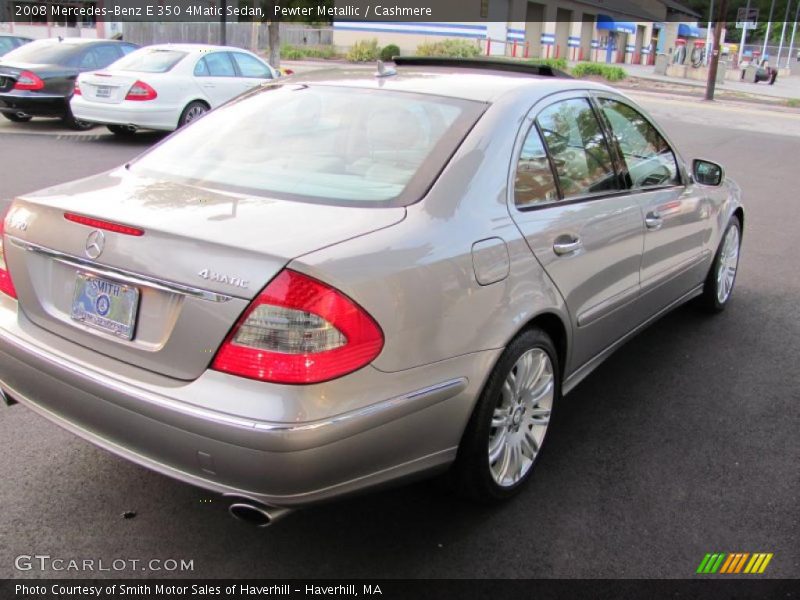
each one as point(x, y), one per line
point(8, 42)
point(38, 79)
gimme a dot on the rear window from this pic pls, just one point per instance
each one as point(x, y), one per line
point(150, 60)
point(46, 52)
point(325, 144)
point(6, 44)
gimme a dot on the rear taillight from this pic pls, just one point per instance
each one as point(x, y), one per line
point(299, 330)
point(6, 285)
point(77, 89)
point(141, 91)
point(28, 81)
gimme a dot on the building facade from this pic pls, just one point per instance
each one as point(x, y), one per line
point(612, 31)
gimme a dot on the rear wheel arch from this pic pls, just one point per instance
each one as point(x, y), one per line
point(189, 104)
point(553, 325)
point(739, 212)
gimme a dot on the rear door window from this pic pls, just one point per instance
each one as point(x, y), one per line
point(219, 64)
point(578, 148)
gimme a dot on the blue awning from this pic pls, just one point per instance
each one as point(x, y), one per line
point(606, 22)
point(685, 30)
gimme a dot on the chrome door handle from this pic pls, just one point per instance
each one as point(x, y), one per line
point(566, 245)
point(209, 85)
point(653, 221)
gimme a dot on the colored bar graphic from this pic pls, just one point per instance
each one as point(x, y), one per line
point(734, 563)
point(765, 563)
point(703, 563)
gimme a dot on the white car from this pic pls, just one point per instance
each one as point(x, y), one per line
point(166, 86)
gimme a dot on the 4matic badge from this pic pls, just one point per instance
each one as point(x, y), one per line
point(226, 279)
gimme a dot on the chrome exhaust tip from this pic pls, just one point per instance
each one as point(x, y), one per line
point(257, 515)
point(6, 399)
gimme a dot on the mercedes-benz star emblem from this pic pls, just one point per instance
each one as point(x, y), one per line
point(95, 244)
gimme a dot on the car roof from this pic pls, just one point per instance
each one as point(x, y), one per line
point(469, 83)
point(74, 41)
point(193, 47)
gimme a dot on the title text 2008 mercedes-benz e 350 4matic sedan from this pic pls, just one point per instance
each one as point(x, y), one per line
point(346, 279)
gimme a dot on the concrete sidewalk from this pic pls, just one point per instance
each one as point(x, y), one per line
point(785, 87)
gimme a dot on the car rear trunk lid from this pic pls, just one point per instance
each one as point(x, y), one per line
point(202, 257)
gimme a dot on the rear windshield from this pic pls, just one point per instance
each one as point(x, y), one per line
point(6, 44)
point(325, 144)
point(44, 52)
point(150, 60)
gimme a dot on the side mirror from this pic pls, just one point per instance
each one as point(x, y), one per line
point(707, 172)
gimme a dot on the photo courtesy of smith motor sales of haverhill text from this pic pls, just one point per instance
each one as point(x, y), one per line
point(405, 299)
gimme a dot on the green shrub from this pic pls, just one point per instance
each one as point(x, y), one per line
point(607, 72)
point(555, 63)
point(451, 48)
point(364, 51)
point(299, 52)
point(793, 102)
point(389, 52)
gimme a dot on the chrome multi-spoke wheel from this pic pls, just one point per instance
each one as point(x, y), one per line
point(722, 275)
point(503, 439)
point(520, 419)
point(194, 112)
point(728, 263)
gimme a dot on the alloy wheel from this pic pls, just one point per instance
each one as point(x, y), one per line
point(521, 417)
point(728, 263)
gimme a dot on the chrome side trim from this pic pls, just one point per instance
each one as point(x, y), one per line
point(590, 365)
point(674, 271)
point(606, 307)
point(120, 274)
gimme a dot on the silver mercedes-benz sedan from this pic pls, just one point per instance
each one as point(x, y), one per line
point(349, 278)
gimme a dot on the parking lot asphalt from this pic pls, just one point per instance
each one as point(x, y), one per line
point(684, 442)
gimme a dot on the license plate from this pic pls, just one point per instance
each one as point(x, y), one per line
point(105, 305)
point(103, 91)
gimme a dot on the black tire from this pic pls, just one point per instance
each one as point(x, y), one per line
point(471, 474)
point(121, 130)
point(17, 117)
point(194, 110)
point(70, 121)
point(710, 299)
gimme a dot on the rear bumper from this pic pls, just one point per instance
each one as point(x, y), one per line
point(288, 463)
point(139, 114)
point(33, 104)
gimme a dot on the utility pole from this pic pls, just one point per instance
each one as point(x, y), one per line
point(769, 24)
point(223, 34)
point(783, 33)
point(744, 36)
point(708, 31)
point(714, 64)
point(794, 30)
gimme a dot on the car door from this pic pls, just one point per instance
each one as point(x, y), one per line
point(215, 73)
point(676, 214)
point(251, 71)
point(584, 228)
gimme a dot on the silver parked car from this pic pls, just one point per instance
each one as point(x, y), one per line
point(348, 278)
